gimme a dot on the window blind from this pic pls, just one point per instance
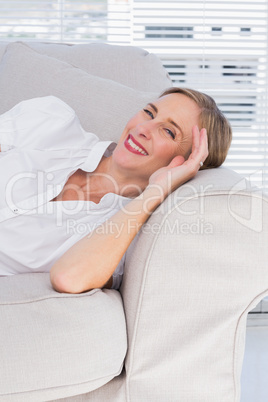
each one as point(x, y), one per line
point(219, 47)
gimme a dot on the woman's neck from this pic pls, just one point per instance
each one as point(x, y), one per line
point(107, 179)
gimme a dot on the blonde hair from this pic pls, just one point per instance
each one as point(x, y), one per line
point(218, 128)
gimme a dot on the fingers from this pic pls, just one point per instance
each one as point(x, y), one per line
point(203, 145)
point(199, 146)
point(196, 138)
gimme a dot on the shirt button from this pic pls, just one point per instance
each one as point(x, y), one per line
point(50, 176)
point(15, 210)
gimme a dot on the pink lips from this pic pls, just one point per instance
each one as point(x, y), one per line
point(129, 147)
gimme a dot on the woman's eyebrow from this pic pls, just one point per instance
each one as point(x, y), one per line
point(153, 107)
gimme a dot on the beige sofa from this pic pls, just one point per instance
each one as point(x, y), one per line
point(175, 332)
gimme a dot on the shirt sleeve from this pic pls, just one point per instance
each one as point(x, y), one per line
point(45, 123)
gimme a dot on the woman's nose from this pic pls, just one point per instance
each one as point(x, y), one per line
point(145, 129)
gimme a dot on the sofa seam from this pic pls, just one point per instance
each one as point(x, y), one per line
point(67, 296)
point(236, 340)
point(61, 386)
point(225, 193)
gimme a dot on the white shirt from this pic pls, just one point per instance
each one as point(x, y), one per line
point(42, 145)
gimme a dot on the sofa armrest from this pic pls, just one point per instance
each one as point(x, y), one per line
point(191, 277)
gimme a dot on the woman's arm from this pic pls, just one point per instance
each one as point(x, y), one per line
point(91, 262)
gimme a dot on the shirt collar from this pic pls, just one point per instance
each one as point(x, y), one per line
point(100, 149)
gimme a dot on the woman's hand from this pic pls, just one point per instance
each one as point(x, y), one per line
point(179, 171)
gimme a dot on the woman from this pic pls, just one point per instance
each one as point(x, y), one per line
point(152, 158)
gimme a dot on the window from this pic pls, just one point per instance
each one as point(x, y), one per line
point(219, 47)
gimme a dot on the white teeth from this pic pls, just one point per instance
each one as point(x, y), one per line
point(131, 143)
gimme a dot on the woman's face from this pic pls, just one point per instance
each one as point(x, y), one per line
point(156, 134)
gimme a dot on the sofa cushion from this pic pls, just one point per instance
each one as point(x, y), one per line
point(55, 345)
point(102, 105)
point(138, 69)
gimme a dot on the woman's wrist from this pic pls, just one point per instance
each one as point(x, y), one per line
point(152, 197)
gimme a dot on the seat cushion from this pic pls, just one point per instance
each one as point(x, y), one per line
point(57, 345)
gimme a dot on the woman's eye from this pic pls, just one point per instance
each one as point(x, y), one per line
point(170, 133)
point(149, 113)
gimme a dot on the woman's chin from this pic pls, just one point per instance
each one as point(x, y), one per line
point(125, 159)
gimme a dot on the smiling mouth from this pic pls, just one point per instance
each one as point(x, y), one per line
point(132, 146)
